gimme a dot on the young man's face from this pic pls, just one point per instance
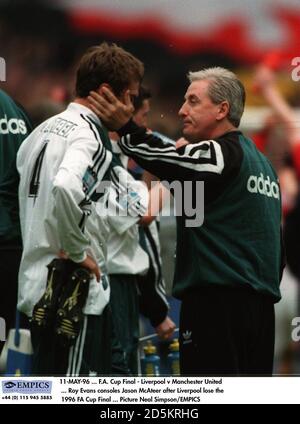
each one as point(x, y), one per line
point(140, 117)
point(198, 113)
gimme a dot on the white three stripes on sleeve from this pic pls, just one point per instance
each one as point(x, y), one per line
point(205, 156)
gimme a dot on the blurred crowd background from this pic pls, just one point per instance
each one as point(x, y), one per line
point(41, 42)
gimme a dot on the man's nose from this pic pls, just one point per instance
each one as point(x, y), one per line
point(182, 111)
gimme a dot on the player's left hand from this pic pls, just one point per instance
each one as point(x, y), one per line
point(113, 112)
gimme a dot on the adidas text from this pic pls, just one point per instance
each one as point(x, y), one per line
point(13, 126)
point(263, 186)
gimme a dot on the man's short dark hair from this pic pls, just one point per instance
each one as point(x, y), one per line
point(144, 94)
point(110, 64)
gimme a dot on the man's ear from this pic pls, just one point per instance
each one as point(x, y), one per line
point(223, 110)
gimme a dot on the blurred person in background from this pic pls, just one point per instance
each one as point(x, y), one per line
point(152, 300)
point(14, 128)
point(135, 274)
point(43, 110)
point(229, 268)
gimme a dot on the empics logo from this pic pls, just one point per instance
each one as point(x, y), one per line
point(13, 126)
point(26, 386)
point(9, 384)
point(263, 185)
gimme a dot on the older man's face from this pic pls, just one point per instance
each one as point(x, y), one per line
point(198, 113)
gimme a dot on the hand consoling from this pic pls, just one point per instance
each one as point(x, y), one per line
point(112, 111)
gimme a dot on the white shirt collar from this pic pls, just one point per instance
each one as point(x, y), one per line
point(85, 110)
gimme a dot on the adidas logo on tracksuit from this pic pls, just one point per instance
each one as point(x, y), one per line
point(13, 126)
point(263, 185)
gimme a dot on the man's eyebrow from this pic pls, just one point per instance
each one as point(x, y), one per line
point(191, 95)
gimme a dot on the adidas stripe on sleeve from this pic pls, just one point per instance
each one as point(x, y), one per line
point(163, 159)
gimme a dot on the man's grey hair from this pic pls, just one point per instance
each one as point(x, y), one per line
point(223, 85)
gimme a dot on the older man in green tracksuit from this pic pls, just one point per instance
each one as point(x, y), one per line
point(229, 265)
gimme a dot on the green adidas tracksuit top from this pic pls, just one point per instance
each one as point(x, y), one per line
point(239, 241)
point(14, 128)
